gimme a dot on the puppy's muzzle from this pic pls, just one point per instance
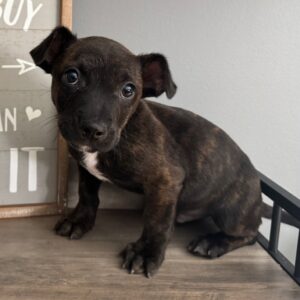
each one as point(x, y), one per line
point(93, 131)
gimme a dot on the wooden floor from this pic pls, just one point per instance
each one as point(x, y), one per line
point(35, 264)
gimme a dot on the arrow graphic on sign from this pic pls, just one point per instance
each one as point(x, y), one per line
point(23, 65)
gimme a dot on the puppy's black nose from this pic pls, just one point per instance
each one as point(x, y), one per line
point(93, 131)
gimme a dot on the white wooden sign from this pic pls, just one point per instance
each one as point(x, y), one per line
point(28, 132)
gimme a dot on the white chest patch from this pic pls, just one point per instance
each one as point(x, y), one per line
point(90, 162)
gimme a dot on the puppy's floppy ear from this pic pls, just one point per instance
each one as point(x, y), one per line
point(49, 49)
point(156, 76)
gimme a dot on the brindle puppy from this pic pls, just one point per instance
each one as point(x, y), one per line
point(186, 167)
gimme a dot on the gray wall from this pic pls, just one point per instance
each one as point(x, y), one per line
point(237, 63)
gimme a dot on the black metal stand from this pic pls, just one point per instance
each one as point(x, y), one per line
point(282, 200)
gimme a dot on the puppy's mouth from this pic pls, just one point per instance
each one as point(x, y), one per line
point(82, 148)
point(92, 147)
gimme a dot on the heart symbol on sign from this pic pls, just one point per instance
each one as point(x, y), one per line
point(32, 114)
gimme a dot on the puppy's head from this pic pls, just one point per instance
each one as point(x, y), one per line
point(97, 84)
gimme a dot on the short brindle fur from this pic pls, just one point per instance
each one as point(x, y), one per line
point(186, 167)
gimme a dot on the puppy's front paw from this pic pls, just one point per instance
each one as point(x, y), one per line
point(75, 225)
point(140, 258)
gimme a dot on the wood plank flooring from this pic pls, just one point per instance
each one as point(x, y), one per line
point(35, 264)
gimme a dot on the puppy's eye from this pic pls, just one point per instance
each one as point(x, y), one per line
point(71, 76)
point(128, 90)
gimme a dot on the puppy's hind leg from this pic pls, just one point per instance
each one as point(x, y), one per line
point(218, 244)
point(238, 218)
point(82, 218)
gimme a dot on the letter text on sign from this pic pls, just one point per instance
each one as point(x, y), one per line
point(13, 174)
point(32, 166)
point(11, 17)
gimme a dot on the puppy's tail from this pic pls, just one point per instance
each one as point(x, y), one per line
point(285, 217)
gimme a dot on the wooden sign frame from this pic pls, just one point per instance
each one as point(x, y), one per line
point(58, 207)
